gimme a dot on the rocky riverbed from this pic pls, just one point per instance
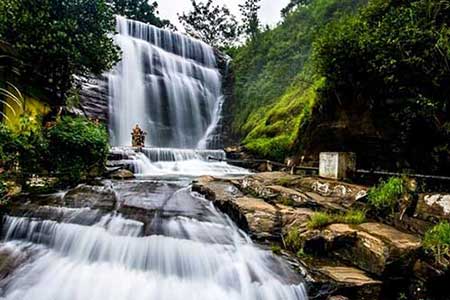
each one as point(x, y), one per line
point(382, 258)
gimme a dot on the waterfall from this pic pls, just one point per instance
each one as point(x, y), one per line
point(167, 83)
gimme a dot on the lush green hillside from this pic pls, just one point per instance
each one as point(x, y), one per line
point(275, 84)
point(371, 77)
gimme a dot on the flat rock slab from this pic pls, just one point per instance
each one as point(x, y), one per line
point(348, 276)
point(376, 248)
point(401, 241)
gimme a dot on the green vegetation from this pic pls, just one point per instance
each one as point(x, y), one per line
point(140, 10)
point(72, 148)
point(293, 239)
point(276, 249)
point(300, 85)
point(320, 220)
point(78, 147)
point(214, 24)
point(386, 195)
point(392, 59)
point(437, 242)
point(275, 82)
point(53, 40)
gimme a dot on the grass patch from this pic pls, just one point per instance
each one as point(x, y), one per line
point(385, 196)
point(276, 249)
point(354, 217)
point(293, 239)
point(437, 242)
point(320, 220)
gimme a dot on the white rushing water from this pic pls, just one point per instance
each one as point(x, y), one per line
point(167, 83)
point(188, 252)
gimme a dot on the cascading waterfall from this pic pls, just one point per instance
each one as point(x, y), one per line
point(187, 250)
point(155, 239)
point(167, 83)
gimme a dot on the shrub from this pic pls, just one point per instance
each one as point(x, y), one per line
point(78, 147)
point(386, 195)
point(437, 242)
point(7, 148)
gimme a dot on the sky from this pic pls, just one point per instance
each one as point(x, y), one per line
point(269, 14)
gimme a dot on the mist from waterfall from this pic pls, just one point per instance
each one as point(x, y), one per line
point(167, 83)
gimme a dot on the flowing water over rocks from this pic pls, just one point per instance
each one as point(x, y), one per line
point(161, 241)
point(167, 83)
point(151, 238)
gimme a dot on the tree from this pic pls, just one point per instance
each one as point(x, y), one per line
point(393, 58)
point(292, 5)
point(59, 38)
point(140, 10)
point(251, 23)
point(213, 24)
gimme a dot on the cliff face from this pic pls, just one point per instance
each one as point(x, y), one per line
point(228, 136)
point(94, 98)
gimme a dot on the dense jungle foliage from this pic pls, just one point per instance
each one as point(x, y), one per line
point(364, 76)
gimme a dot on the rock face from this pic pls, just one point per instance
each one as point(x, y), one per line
point(260, 219)
point(433, 207)
point(94, 98)
point(374, 247)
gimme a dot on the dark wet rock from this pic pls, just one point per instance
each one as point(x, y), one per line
point(94, 98)
point(10, 260)
point(101, 197)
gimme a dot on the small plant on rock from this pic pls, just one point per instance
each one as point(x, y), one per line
point(354, 217)
point(319, 220)
point(293, 239)
point(437, 242)
point(386, 195)
point(276, 249)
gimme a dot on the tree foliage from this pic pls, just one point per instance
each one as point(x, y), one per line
point(250, 20)
point(292, 5)
point(78, 147)
point(393, 58)
point(213, 24)
point(59, 38)
point(140, 10)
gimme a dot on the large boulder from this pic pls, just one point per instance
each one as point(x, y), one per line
point(374, 247)
point(262, 220)
point(102, 197)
